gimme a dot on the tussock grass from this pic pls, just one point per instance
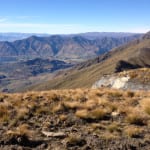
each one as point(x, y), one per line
point(145, 103)
point(136, 117)
point(4, 113)
point(130, 94)
point(74, 140)
point(133, 132)
point(114, 127)
point(93, 114)
point(21, 130)
point(100, 111)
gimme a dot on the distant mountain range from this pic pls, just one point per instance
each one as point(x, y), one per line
point(135, 54)
point(10, 37)
point(82, 46)
point(39, 62)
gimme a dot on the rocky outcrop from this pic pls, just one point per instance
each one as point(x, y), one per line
point(132, 80)
point(112, 81)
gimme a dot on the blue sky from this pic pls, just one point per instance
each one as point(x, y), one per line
point(74, 16)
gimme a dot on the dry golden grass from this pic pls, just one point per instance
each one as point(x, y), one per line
point(74, 140)
point(142, 75)
point(136, 117)
point(133, 131)
point(3, 113)
point(21, 130)
point(95, 126)
point(84, 114)
point(114, 127)
point(109, 136)
point(97, 113)
point(115, 94)
point(22, 112)
point(145, 103)
point(105, 110)
point(57, 108)
point(72, 104)
point(63, 117)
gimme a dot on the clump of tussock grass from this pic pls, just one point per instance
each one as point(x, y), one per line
point(133, 132)
point(145, 103)
point(4, 114)
point(74, 140)
point(136, 117)
point(115, 94)
point(93, 114)
point(130, 94)
point(22, 130)
point(114, 127)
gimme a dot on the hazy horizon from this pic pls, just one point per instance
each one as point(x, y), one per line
point(71, 33)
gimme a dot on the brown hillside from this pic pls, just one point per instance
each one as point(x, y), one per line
point(136, 54)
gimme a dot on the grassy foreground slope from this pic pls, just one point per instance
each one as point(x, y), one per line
point(75, 119)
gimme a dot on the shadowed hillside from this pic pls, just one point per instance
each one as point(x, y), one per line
point(17, 75)
point(136, 54)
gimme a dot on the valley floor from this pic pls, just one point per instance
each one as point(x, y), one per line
point(84, 119)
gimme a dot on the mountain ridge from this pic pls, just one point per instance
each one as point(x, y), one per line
point(135, 53)
point(75, 47)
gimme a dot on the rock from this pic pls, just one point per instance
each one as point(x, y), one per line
point(120, 82)
point(105, 81)
point(54, 134)
point(137, 79)
point(111, 81)
point(114, 114)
